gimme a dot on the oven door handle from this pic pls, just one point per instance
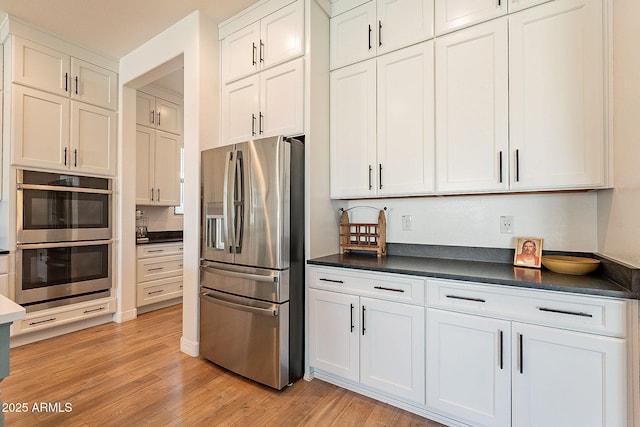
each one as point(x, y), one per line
point(60, 188)
point(63, 244)
point(271, 311)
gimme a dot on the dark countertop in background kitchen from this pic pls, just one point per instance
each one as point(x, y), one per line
point(493, 266)
point(4, 252)
point(161, 237)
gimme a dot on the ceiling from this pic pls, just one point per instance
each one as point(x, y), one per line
point(114, 28)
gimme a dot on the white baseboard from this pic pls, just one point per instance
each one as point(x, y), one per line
point(124, 316)
point(192, 348)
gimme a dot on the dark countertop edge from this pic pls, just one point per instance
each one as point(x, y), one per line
point(4, 252)
point(609, 288)
point(162, 237)
point(160, 240)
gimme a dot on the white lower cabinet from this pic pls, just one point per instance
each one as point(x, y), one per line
point(368, 340)
point(159, 272)
point(497, 371)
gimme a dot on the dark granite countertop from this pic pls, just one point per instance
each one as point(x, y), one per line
point(4, 252)
point(161, 237)
point(499, 273)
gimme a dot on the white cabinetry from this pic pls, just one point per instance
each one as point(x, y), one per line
point(382, 125)
point(63, 114)
point(49, 131)
point(4, 275)
point(378, 27)
point(57, 72)
point(472, 117)
point(556, 96)
point(536, 358)
point(159, 272)
point(274, 39)
point(368, 329)
point(157, 167)
point(266, 104)
point(158, 113)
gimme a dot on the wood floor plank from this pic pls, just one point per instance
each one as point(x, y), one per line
point(134, 374)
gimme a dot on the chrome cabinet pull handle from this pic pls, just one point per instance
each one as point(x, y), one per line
point(500, 167)
point(253, 54)
point(155, 292)
point(158, 118)
point(517, 165)
point(364, 309)
point(156, 269)
point(370, 170)
point(75, 158)
point(370, 37)
point(152, 199)
point(261, 51)
point(521, 355)
point(65, 156)
point(42, 321)
point(158, 194)
point(260, 123)
point(153, 116)
point(253, 124)
point(501, 349)
point(76, 85)
point(379, 33)
point(66, 82)
point(94, 310)
point(380, 175)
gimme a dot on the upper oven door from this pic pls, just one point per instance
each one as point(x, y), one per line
point(57, 208)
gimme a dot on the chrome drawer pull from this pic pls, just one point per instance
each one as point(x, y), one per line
point(388, 289)
point(331, 280)
point(94, 310)
point(155, 250)
point(466, 298)
point(572, 313)
point(156, 269)
point(155, 292)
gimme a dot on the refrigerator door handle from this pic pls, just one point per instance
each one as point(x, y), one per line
point(271, 310)
point(255, 277)
point(229, 198)
point(239, 202)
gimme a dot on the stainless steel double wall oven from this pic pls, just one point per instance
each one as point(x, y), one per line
point(64, 239)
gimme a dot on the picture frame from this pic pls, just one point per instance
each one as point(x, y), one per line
point(528, 252)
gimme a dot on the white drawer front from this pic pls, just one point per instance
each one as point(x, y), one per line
point(4, 264)
point(61, 316)
point(593, 314)
point(159, 249)
point(391, 287)
point(159, 290)
point(159, 268)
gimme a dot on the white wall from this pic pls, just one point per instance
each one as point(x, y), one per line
point(566, 221)
point(192, 43)
point(618, 223)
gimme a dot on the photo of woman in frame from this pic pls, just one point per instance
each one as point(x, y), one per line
point(528, 252)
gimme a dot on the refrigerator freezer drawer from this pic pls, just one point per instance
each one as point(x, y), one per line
point(250, 282)
point(248, 337)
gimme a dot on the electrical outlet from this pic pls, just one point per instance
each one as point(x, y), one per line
point(506, 225)
point(406, 222)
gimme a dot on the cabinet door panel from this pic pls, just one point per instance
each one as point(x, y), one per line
point(168, 116)
point(353, 36)
point(392, 355)
point(516, 5)
point(469, 368)
point(405, 143)
point(145, 142)
point(402, 23)
point(353, 130)
point(40, 67)
point(39, 129)
point(167, 168)
point(282, 35)
point(145, 109)
point(452, 14)
point(564, 378)
point(556, 96)
point(282, 99)
point(94, 85)
point(93, 139)
point(334, 333)
point(240, 109)
point(240, 53)
point(472, 122)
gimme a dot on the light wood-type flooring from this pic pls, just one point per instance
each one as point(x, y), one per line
point(133, 374)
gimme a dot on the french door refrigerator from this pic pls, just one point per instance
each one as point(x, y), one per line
point(252, 259)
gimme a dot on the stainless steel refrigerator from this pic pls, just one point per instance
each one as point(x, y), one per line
point(252, 259)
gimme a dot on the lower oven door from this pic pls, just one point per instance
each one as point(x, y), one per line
point(54, 274)
point(246, 336)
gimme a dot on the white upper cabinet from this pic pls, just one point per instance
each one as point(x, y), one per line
point(157, 167)
point(556, 96)
point(378, 27)
point(516, 5)
point(382, 125)
point(56, 72)
point(274, 39)
point(472, 117)
point(50, 131)
point(266, 104)
point(405, 142)
point(158, 113)
point(454, 14)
